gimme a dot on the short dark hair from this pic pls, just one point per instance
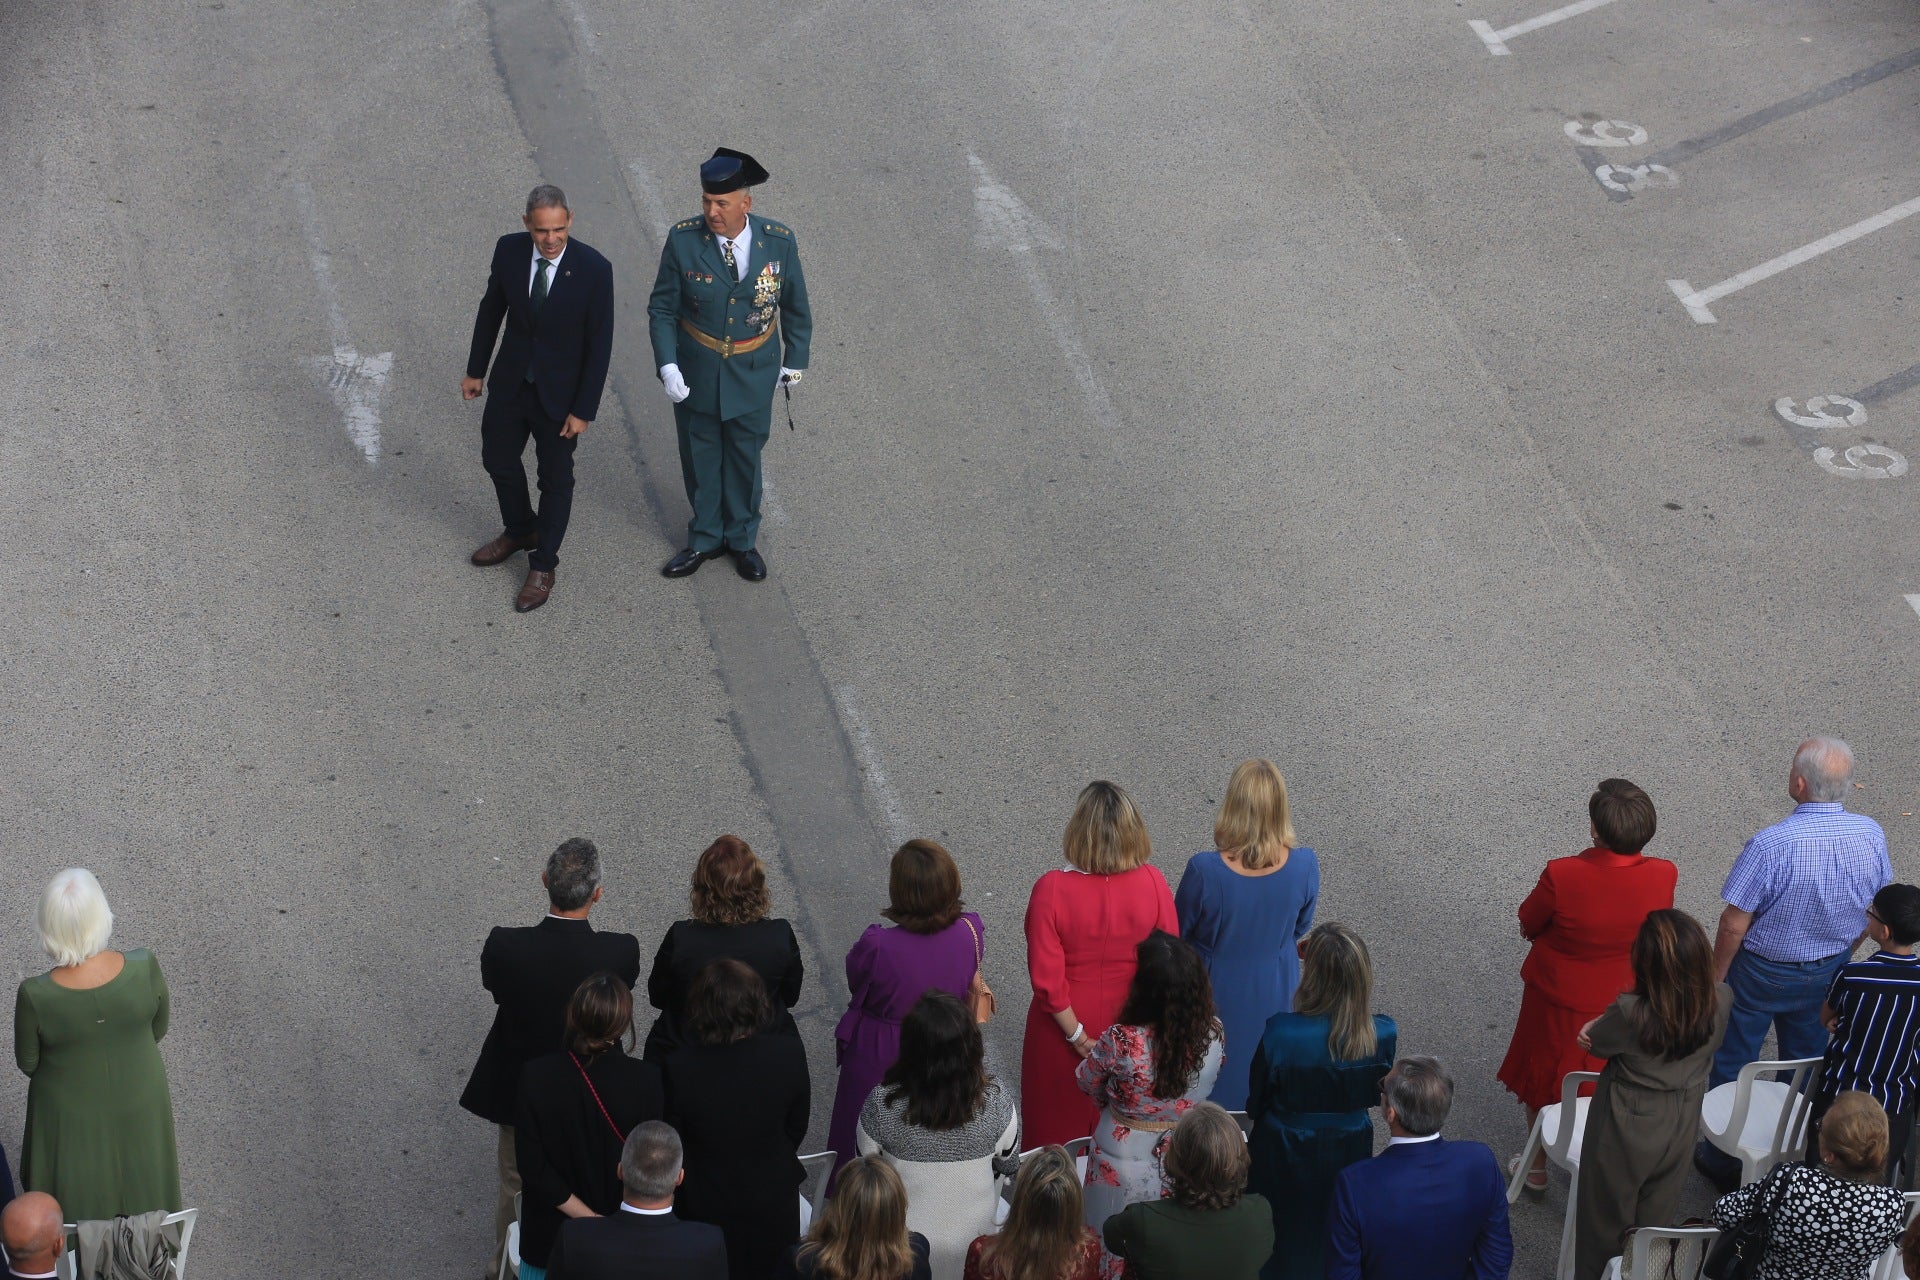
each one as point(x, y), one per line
point(729, 884)
point(1622, 814)
point(599, 1015)
point(727, 1002)
point(1420, 1092)
point(942, 1067)
point(573, 873)
point(923, 887)
point(546, 196)
point(1898, 906)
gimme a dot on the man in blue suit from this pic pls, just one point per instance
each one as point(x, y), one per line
point(1425, 1208)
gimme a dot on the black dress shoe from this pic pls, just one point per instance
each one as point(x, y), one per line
point(749, 565)
point(686, 561)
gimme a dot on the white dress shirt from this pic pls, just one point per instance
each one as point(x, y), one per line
point(1400, 1142)
point(740, 245)
point(552, 274)
point(646, 1213)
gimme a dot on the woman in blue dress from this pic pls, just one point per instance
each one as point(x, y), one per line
point(1315, 1074)
point(1244, 908)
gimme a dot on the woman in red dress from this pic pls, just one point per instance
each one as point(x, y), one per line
point(1582, 918)
point(1083, 925)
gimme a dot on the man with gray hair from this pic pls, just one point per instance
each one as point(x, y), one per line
point(1797, 901)
point(532, 973)
point(555, 296)
point(1425, 1208)
point(644, 1240)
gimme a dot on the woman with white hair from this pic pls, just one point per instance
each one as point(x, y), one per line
point(99, 1119)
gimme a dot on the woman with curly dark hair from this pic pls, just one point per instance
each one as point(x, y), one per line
point(1149, 1069)
point(942, 1121)
point(732, 920)
point(1207, 1227)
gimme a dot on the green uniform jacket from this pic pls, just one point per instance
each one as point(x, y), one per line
point(693, 286)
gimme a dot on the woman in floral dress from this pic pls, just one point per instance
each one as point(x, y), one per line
point(1149, 1069)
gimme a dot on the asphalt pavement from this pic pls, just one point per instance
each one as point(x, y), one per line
point(1455, 427)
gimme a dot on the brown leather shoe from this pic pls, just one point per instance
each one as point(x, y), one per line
point(534, 592)
point(503, 546)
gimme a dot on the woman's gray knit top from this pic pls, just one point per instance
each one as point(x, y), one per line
point(980, 1136)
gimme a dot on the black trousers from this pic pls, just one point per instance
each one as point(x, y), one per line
point(506, 422)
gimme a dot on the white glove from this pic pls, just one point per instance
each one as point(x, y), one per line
point(790, 377)
point(675, 385)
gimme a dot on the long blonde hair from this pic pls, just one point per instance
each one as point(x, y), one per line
point(1255, 824)
point(1336, 981)
point(1106, 834)
point(1045, 1222)
point(862, 1233)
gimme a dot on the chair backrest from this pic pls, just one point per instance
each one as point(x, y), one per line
point(813, 1185)
point(68, 1266)
point(1667, 1253)
point(1790, 1129)
point(1888, 1267)
point(1570, 1086)
point(1245, 1122)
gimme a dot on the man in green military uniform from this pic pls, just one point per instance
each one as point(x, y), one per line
point(730, 324)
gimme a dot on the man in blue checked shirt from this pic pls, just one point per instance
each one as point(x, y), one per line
point(1797, 902)
point(1873, 1011)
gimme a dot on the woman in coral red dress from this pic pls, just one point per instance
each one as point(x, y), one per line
point(1582, 918)
point(1083, 924)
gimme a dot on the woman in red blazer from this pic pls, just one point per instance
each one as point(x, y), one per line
point(1582, 918)
point(1083, 925)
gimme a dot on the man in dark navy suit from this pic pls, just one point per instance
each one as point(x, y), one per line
point(1425, 1208)
point(642, 1239)
point(556, 296)
point(532, 973)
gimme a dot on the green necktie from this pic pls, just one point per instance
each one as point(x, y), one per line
point(538, 298)
point(733, 268)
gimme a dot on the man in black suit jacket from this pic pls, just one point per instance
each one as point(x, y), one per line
point(642, 1240)
point(532, 974)
point(556, 296)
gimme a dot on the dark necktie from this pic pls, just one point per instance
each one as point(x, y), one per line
point(538, 298)
point(733, 267)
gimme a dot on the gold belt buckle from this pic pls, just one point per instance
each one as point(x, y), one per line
point(726, 347)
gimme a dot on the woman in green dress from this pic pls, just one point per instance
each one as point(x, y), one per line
point(99, 1119)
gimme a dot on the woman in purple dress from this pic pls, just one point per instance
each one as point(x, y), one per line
point(932, 945)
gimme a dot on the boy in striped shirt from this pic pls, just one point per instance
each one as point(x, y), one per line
point(1873, 1011)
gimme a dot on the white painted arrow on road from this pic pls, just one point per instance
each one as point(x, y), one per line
point(357, 383)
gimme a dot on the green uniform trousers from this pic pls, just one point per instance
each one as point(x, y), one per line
point(720, 463)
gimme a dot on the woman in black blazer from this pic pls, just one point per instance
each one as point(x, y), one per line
point(739, 1096)
point(572, 1117)
point(730, 922)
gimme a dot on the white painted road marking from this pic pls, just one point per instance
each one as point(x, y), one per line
point(1854, 414)
point(646, 194)
point(868, 757)
point(1635, 177)
point(1006, 222)
point(1606, 133)
point(1915, 602)
point(357, 383)
point(1496, 41)
point(1697, 301)
point(1856, 465)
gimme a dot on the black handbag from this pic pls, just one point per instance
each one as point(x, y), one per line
point(1737, 1253)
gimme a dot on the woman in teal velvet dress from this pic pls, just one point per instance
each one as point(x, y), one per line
point(1315, 1074)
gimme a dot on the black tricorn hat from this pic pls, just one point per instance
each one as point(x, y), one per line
point(730, 170)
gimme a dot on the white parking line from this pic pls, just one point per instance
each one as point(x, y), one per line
point(1697, 301)
point(357, 383)
point(868, 758)
point(1496, 41)
point(1914, 600)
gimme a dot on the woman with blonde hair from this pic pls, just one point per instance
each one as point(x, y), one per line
point(87, 1034)
point(1244, 905)
point(1316, 1072)
point(1083, 924)
point(1045, 1236)
point(862, 1233)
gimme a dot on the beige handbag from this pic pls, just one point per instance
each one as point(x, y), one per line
point(979, 994)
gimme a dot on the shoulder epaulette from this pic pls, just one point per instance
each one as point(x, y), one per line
point(774, 228)
point(689, 224)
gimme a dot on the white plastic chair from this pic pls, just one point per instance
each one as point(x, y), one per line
point(1245, 1122)
point(1762, 1122)
point(1077, 1148)
point(68, 1267)
point(1561, 1139)
point(510, 1256)
point(1888, 1267)
point(1664, 1253)
point(817, 1165)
